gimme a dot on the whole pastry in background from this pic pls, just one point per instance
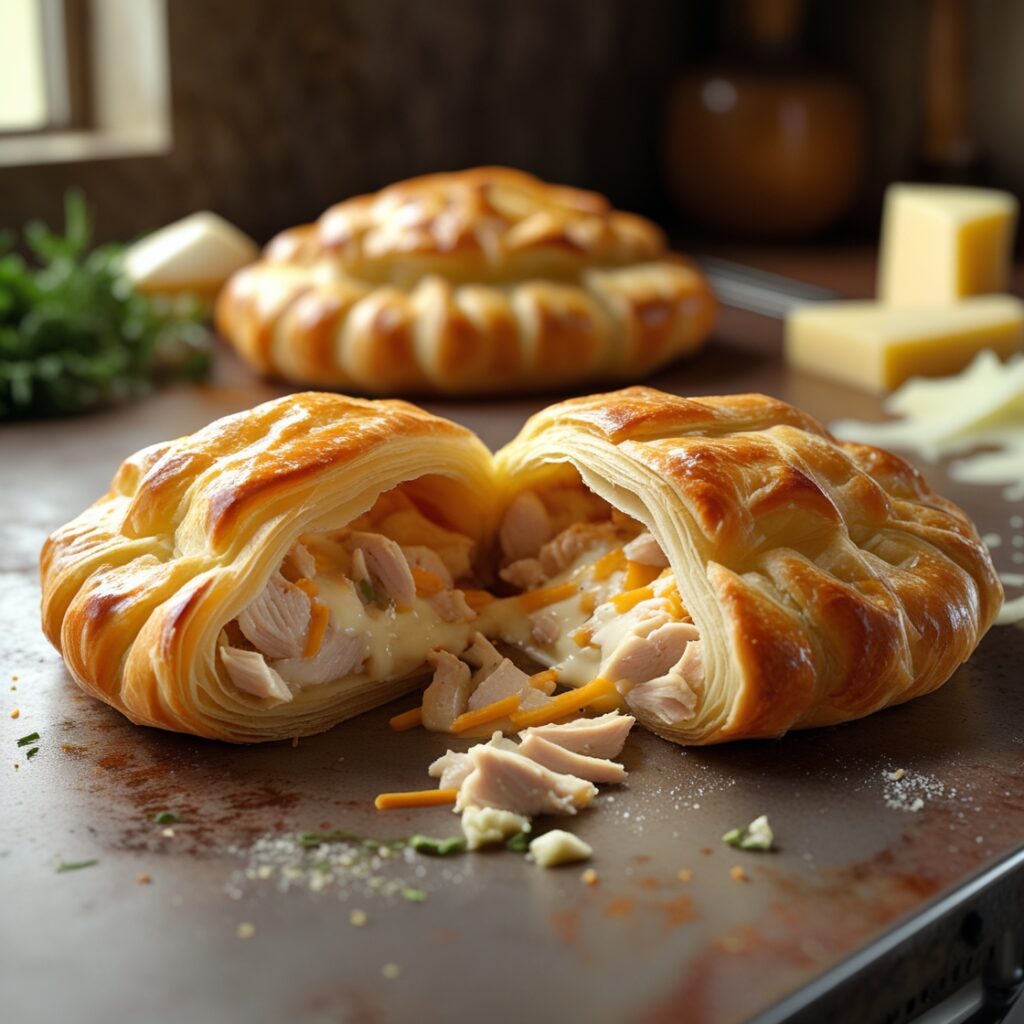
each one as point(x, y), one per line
point(721, 568)
point(479, 281)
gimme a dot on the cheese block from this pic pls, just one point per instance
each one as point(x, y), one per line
point(878, 347)
point(196, 254)
point(943, 243)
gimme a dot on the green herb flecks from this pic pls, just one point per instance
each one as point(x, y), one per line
point(756, 836)
point(31, 753)
point(312, 839)
point(372, 594)
point(26, 740)
point(166, 817)
point(414, 895)
point(520, 842)
point(437, 847)
point(76, 336)
point(75, 865)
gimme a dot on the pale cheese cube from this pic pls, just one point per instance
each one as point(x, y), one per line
point(877, 347)
point(943, 243)
point(559, 847)
point(197, 254)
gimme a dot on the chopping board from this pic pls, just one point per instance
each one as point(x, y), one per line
point(224, 915)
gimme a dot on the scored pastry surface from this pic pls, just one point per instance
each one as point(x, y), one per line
point(826, 580)
point(486, 280)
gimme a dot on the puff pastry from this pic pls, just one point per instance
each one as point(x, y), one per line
point(729, 566)
point(487, 280)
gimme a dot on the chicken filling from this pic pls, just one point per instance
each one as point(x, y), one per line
point(595, 600)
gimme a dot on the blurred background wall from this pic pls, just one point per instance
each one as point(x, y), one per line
point(278, 109)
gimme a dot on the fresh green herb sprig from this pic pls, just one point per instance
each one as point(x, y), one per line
point(167, 817)
point(26, 740)
point(76, 336)
point(75, 865)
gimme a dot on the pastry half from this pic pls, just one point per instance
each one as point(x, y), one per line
point(721, 567)
point(487, 280)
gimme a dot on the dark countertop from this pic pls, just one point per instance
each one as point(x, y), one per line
point(496, 939)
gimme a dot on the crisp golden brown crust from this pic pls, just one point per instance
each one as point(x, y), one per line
point(835, 581)
point(826, 580)
point(476, 281)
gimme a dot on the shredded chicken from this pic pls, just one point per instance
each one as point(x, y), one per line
point(299, 563)
point(646, 550)
point(598, 737)
point(250, 672)
point(671, 697)
point(453, 767)
point(482, 655)
point(420, 557)
point(341, 653)
point(386, 565)
point(446, 696)
point(568, 762)
point(640, 658)
point(451, 605)
point(502, 682)
point(545, 626)
point(525, 527)
point(524, 573)
point(410, 528)
point(507, 780)
point(276, 622)
point(561, 551)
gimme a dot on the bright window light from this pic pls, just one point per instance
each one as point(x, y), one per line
point(23, 104)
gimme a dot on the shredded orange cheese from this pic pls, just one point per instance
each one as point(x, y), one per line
point(307, 586)
point(427, 582)
point(476, 599)
point(582, 637)
point(488, 713)
point(631, 598)
point(534, 600)
point(541, 679)
point(674, 603)
point(607, 564)
point(565, 703)
point(407, 720)
point(588, 602)
point(416, 798)
point(639, 575)
point(318, 620)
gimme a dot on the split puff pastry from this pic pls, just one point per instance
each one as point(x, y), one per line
point(788, 580)
point(486, 280)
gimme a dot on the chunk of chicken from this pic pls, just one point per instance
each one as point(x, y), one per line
point(410, 528)
point(501, 682)
point(598, 737)
point(640, 658)
point(453, 767)
point(671, 697)
point(386, 565)
point(420, 557)
point(561, 551)
point(482, 655)
point(524, 573)
point(277, 621)
point(341, 653)
point(445, 698)
point(525, 527)
point(646, 550)
point(452, 606)
point(568, 762)
point(511, 782)
point(299, 563)
point(249, 671)
point(545, 626)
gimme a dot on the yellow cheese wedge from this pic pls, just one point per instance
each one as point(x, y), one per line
point(942, 243)
point(878, 347)
point(197, 254)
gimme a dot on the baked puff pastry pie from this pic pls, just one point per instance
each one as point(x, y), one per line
point(721, 568)
point(487, 280)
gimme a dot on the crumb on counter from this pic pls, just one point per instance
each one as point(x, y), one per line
point(168, 833)
point(590, 877)
point(16, 713)
point(295, 741)
point(737, 874)
point(685, 875)
point(558, 847)
point(357, 918)
point(896, 775)
point(390, 971)
point(245, 930)
point(143, 878)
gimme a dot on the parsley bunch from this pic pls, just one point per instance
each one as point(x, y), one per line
point(76, 336)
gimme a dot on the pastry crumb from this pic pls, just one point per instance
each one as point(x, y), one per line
point(295, 741)
point(685, 875)
point(897, 775)
point(358, 918)
point(143, 878)
point(590, 877)
point(167, 832)
point(245, 930)
point(390, 971)
point(737, 874)
point(16, 713)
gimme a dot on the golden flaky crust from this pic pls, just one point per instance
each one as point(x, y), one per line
point(486, 280)
point(827, 580)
